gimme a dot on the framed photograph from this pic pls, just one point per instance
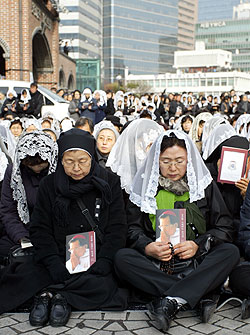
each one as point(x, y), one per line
point(171, 225)
point(80, 251)
point(232, 165)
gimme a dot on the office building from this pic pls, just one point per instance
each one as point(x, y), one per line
point(143, 35)
point(210, 10)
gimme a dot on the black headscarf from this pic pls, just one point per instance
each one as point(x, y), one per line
point(68, 189)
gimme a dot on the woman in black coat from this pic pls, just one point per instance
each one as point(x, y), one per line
point(35, 157)
point(57, 215)
point(174, 176)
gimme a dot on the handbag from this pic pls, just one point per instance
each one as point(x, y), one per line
point(20, 255)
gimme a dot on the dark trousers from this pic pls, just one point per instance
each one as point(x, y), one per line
point(240, 279)
point(141, 273)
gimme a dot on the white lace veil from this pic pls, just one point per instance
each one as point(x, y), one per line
point(195, 125)
point(145, 183)
point(210, 125)
point(8, 139)
point(3, 165)
point(217, 136)
point(29, 144)
point(130, 150)
point(242, 120)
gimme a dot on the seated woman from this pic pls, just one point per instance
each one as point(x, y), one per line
point(131, 149)
point(197, 128)
point(35, 157)
point(16, 128)
point(174, 176)
point(57, 214)
point(106, 135)
point(31, 124)
point(224, 135)
point(23, 103)
point(9, 105)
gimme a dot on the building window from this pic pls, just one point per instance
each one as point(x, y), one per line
point(203, 82)
point(210, 82)
point(231, 81)
point(176, 82)
point(217, 82)
point(170, 83)
point(182, 82)
point(157, 83)
point(196, 82)
point(223, 81)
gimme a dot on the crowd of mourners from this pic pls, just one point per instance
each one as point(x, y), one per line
point(108, 167)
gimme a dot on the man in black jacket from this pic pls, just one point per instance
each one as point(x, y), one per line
point(36, 101)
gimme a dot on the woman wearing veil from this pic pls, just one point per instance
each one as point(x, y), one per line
point(174, 176)
point(58, 214)
point(131, 149)
point(35, 158)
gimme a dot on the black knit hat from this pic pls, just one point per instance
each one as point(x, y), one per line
point(76, 139)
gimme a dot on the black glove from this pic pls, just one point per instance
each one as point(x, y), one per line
point(57, 269)
point(102, 266)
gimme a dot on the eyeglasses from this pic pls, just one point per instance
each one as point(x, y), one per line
point(178, 163)
point(71, 164)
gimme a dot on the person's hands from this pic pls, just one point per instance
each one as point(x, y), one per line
point(186, 249)
point(159, 250)
point(74, 261)
point(242, 184)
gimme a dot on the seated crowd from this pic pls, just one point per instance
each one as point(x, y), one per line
point(95, 204)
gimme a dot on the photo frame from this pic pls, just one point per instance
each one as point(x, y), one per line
point(232, 165)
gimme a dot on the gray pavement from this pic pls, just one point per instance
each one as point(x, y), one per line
point(226, 321)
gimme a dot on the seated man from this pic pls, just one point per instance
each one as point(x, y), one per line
point(174, 176)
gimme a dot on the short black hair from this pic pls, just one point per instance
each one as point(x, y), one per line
point(168, 142)
point(82, 121)
point(34, 84)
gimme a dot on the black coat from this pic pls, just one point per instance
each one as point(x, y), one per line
point(14, 227)
point(213, 208)
point(49, 238)
point(35, 104)
point(90, 290)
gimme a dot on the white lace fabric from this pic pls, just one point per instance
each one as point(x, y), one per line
point(243, 120)
point(3, 164)
point(195, 125)
point(145, 183)
point(217, 136)
point(210, 125)
point(29, 144)
point(131, 148)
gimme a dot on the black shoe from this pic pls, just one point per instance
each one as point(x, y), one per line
point(39, 314)
point(60, 311)
point(245, 309)
point(207, 309)
point(163, 310)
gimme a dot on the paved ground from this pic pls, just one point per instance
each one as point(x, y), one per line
point(226, 321)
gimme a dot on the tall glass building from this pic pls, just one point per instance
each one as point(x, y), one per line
point(210, 10)
point(231, 35)
point(141, 35)
point(81, 26)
